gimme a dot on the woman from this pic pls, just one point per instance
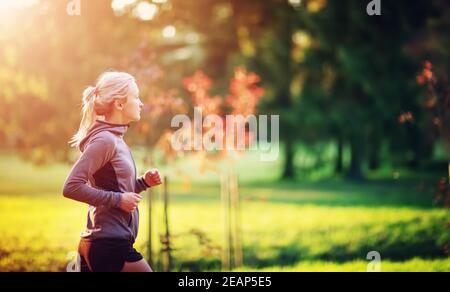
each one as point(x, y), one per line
point(105, 176)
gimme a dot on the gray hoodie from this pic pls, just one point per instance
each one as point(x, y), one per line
point(103, 172)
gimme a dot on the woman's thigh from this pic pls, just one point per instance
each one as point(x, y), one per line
point(140, 266)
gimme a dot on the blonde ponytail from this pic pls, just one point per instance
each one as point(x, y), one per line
point(88, 116)
point(98, 100)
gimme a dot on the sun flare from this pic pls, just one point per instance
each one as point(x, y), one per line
point(9, 7)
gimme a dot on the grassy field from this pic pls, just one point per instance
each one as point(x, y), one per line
point(287, 226)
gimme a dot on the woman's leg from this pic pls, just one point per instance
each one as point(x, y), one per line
point(140, 266)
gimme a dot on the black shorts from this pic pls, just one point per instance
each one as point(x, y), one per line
point(106, 255)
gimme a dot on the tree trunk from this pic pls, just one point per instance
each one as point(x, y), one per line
point(355, 172)
point(374, 151)
point(225, 201)
point(340, 156)
point(166, 249)
point(150, 228)
point(288, 172)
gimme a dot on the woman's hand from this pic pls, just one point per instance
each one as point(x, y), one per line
point(129, 202)
point(152, 178)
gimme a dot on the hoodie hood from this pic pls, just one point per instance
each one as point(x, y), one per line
point(100, 126)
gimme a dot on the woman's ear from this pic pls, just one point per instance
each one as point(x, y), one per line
point(118, 105)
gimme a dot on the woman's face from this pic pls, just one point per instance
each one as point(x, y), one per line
point(131, 110)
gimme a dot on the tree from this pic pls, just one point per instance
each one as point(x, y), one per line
point(370, 74)
point(52, 57)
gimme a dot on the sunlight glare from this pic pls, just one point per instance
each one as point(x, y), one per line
point(8, 7)
point(145, 11)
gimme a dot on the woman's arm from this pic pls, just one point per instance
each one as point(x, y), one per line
point(96, 154)
point(150, 179)
point(141, 185)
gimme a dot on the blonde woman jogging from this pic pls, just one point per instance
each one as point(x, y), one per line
point(105, 176)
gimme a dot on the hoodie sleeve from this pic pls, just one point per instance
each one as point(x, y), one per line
point(96, 154)
point(140, 185)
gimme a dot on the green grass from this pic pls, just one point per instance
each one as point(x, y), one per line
point(413, 265)
point(287, 226)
